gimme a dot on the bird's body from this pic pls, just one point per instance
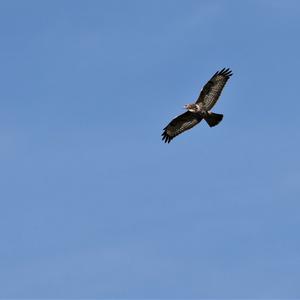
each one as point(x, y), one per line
point(201, 108)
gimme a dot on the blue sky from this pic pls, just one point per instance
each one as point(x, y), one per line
point(94, 204)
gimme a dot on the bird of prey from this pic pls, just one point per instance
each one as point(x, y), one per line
point(201, 108)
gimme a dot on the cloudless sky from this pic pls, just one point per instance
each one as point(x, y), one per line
point(94, 204)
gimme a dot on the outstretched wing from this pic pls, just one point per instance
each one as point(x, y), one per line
point(180, 124)
point(213, 88)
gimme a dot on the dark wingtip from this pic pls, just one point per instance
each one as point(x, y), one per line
point(225, 72)
point(166, 138)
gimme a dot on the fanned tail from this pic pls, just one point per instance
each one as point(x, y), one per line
point(213, 119)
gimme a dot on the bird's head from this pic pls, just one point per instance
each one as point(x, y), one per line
point(191, 107)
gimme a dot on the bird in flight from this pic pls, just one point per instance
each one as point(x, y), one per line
point(200, 109)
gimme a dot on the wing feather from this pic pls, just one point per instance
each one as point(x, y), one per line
point(180, 124)
point(213, 88)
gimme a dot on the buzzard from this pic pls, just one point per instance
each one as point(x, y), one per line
point(201, 108)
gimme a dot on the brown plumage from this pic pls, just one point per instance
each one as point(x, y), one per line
point(200, 109)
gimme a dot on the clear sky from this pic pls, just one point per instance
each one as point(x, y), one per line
point(94, 204)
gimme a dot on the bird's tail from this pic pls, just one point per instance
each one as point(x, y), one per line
point(213, 119)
